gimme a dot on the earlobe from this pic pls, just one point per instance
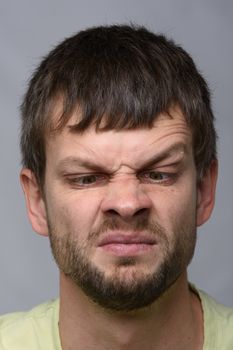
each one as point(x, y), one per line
point(34, 202)
point(206, 193)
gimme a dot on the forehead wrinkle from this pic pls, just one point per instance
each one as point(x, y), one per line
point(170, 132)
point(124, 166)
point(174, 130)
point(107, 158)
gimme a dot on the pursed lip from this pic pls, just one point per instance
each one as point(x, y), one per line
point(127, 244)
point(127, 238)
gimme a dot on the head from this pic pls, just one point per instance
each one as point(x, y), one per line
point(117, 93)
point(119, 77)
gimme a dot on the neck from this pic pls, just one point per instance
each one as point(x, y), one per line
point(172, 322)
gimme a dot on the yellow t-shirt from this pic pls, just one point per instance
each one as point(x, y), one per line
point(38, 328)
point(33, 330)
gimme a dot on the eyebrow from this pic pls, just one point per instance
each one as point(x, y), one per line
point(91, 165)
point(79, 162)
point(177, 148)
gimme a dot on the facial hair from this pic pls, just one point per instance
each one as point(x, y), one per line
point(121, 292)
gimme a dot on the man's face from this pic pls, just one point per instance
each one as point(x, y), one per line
point(121, 209)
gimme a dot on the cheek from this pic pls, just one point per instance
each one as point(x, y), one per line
point(175, 205)
point(73, 212)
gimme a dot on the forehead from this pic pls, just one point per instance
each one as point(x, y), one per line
point(168, 133)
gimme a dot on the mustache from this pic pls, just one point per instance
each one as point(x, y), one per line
point(140, 224)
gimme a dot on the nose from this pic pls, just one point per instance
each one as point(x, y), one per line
point(126, 199)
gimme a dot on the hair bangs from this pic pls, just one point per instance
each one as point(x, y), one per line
point(116, 96)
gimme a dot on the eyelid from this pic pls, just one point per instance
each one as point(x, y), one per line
point(75, 179)
point(165, 164)
point(176, 166)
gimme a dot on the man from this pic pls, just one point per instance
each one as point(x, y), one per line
point(119, 169)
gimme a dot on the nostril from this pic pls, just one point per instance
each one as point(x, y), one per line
point(141, 211)
point(113, 212)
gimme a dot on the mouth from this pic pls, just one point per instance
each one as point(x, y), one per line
point(127, 244)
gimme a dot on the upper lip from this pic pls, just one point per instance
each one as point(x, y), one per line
point(120, 238)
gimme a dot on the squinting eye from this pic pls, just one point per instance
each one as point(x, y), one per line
point(157, 177)
point(86, 180)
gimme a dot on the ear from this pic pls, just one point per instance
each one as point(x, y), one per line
point(206, 193)
point(34, 202)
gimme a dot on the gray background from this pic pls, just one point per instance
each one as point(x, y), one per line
point(28, 29)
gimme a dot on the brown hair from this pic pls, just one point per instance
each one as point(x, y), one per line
point(121, 76)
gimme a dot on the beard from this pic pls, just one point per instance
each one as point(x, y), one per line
point(126, 289)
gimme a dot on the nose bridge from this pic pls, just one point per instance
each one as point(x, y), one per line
point(126, 197)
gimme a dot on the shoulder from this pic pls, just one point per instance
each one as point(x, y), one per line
point(25, 330)
point(218, 323)
point(215, 311)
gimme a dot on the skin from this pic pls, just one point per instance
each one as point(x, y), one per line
point(126, 185)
